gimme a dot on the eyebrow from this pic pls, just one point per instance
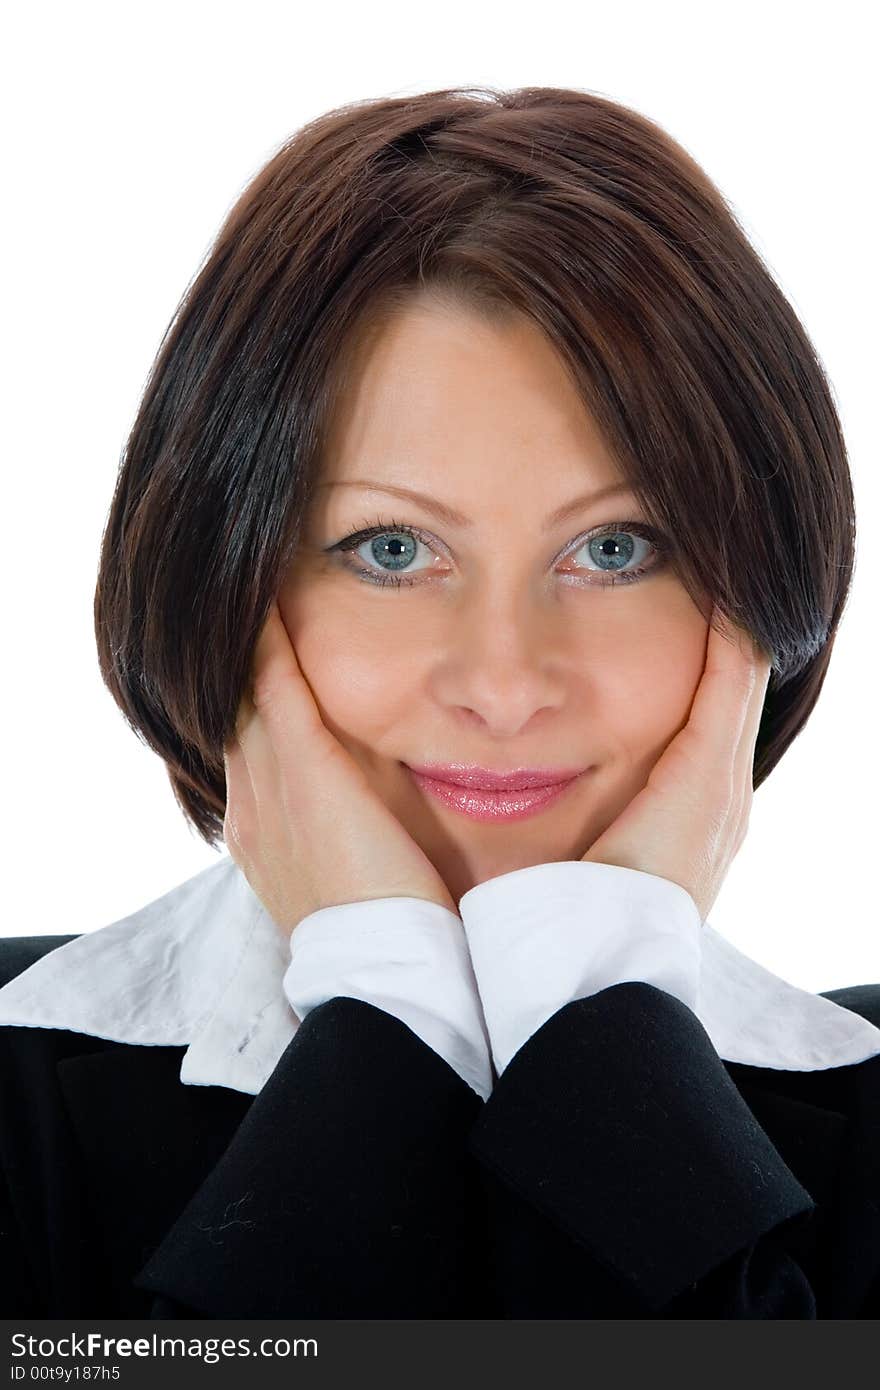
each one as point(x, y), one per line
point(455, 518)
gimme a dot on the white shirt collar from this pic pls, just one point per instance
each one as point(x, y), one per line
point(202, 966)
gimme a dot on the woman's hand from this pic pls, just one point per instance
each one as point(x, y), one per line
point(689, 821)
point(302, 822)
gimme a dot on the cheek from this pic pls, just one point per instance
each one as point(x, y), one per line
point(359, 672)
point(644, 678)
point(638, 661)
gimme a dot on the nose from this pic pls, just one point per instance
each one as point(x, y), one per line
point(506, 663)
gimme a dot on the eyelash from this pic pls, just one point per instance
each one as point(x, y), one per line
point(382, 578)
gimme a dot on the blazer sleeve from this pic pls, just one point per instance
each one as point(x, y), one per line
point(627, 1177)
point(408, 957)
point(624, 1172)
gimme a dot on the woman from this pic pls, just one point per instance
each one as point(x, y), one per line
point(479, 547)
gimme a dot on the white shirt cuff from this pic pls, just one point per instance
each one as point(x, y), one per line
point(405, 955)
point(543, 936)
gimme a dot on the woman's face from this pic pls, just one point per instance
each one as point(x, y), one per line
point(509, 650)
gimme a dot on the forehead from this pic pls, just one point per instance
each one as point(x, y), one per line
point(436, 396)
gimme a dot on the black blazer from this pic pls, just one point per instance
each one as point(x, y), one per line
point(619, 1169)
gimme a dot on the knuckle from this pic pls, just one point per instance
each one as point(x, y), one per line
point(266, 689)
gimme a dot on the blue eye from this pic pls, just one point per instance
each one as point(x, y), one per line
point(610, 548)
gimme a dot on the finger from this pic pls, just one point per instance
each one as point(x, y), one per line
point(240, 819)
point(274, 660)
point(256, 745)
point(749, 657)
point(281, 694)
point(745, 756)
point(737, 637)
point(727, 691)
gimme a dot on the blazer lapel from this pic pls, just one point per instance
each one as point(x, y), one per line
point(147, 1143)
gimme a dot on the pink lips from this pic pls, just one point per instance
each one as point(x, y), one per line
point(491, 796)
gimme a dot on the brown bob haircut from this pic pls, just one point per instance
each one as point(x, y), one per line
point(553, 202)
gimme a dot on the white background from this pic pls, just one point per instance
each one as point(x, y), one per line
point(130, 130)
